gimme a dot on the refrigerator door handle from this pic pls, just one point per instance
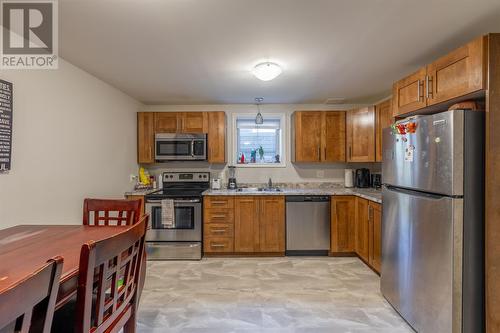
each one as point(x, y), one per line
point(415, 193)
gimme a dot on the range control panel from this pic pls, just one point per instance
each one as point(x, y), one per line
point(186, 177)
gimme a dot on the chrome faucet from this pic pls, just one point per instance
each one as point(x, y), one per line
point(270, 183)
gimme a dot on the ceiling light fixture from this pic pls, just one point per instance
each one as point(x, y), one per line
point(259, 120)
point(266, 71)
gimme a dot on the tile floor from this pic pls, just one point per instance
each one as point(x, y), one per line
point(313, 295)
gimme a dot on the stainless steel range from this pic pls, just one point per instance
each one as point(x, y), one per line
point(180, 239)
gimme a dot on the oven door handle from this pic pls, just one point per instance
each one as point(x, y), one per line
point(175, 201)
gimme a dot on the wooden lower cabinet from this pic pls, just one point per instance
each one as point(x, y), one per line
point(272, 224)
point(356, 227)
point(362, 229)
point(244, 224)
point(138, 197)
point(375, 235)
point(343, 221)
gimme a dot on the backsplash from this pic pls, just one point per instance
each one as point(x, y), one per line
point(292, 174)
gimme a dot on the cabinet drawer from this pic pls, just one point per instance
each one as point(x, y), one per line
point(219, 230)
point(219, 202)
point(219, 216)
point(216, 244)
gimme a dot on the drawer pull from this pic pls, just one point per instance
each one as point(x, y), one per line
point(219, 216)
point(219, 230)
point(217, 245)
point(219, 202)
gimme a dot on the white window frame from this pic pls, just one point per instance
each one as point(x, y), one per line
point(234, 134)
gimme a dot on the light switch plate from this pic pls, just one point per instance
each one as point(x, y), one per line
point(320, 173)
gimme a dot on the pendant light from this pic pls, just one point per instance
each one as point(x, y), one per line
point(259, 120)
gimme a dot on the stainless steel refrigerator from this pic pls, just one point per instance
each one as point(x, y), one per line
point(433, 221)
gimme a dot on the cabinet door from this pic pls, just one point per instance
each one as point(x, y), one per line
point(360, 126)
point(343, 220)
point(272, 224)
point(193, 122)
point(166, 122)
point(217, 137)
point(375, 216)
point(145, 137)
point(362, 229)
point(383, 119)
point(408, 93)
point(459, 73)
point(307, 136)
point(246, 224)
point(333, 138)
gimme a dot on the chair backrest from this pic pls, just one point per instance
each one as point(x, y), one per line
point(108, 280)
point(29, 305)
point(104, 212)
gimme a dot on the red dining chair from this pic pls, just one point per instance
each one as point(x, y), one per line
point(104, 212)
point(29, 305)
point(108, 283)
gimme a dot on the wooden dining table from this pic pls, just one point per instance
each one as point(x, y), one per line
point(25, 248)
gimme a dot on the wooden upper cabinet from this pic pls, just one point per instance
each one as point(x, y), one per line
point(307, 136)
point(343, 219)
point(458, 73)
point(375, 238)
point(408, 93)
point(167, 122)
point(272, 224)
point(217, 137)
point(383, 119)
point(193, 122)
point(246, 224)
point(362, 229)
point(333, 138)
point(145, 137)
point(360, 131)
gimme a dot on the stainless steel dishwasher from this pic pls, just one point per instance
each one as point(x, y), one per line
point(307, 225)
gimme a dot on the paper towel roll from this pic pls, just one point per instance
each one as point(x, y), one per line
point(349, 178)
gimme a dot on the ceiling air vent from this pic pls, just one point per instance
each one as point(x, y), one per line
point(335, 100)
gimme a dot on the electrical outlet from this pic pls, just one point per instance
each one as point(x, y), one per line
point(320, 173)
point(133, 178)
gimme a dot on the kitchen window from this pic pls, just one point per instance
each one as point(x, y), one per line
point(258, 145)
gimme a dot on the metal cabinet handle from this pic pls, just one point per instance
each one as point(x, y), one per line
point(324, 156)
point(217, 245)
point(430, 92)
point(219, 216)
point(418, 89)
point(219, 202)
point(219, 230)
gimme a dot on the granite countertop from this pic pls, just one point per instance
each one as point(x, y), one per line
point(368, 193)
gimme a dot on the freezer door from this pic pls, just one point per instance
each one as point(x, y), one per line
point(431, 159)
point(421, 258)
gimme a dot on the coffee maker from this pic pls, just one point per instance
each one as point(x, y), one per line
point(231, 183)
point(362, 178)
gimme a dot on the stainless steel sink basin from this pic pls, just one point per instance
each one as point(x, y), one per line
point(259, 189)
point(269, 189)
point(248, 189)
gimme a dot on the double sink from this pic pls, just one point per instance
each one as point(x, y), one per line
point(259, 189)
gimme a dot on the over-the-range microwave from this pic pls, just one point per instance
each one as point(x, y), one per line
point(180, 147)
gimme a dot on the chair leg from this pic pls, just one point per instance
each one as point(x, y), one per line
point(130, 325)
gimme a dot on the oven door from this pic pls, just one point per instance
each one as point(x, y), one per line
point(187, 226)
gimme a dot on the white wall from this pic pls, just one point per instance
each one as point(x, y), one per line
point(291, 173)
point(74, 136)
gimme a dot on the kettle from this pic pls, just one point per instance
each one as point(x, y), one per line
point(362, 178)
